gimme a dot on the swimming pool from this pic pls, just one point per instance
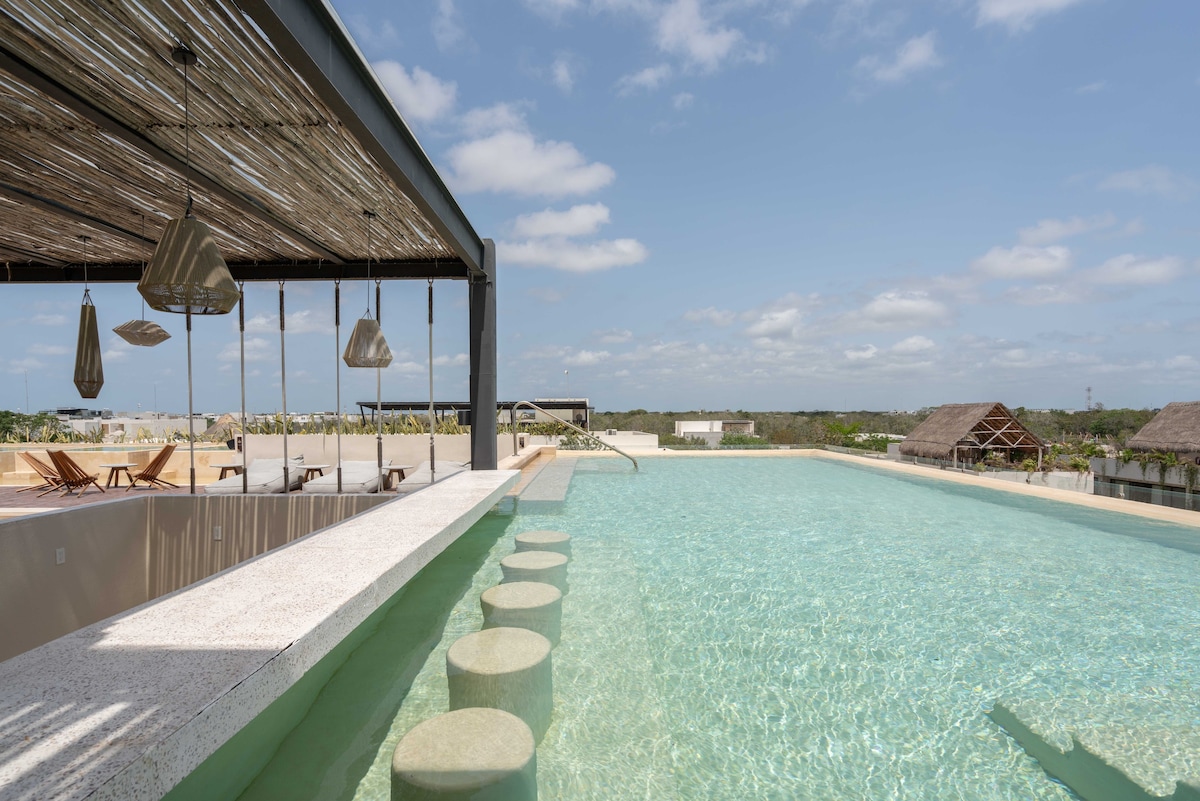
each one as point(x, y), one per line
point(796, 628)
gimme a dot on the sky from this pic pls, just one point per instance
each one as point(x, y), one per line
point(752, 204)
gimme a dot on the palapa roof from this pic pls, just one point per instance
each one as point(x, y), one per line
point(1174, 429)
point(987, 426)
point(292, 138)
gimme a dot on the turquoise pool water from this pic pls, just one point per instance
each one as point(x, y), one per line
point(792, 628)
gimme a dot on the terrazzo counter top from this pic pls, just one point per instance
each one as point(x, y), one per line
point(128, 707)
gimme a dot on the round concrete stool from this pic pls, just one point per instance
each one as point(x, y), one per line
point(468, 755)
point(546, 567)
point(544, 541)
point(524, 605)
point(503, 668)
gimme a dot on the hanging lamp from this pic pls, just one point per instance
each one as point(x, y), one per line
point(187, 274)
point(89, 372)
point(142, 332)
point(367, 347)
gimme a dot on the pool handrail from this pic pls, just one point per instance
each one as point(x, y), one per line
point(569, 425)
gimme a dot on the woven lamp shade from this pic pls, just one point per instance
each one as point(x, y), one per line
point(89, 372)
point(141, 332)
point(367, 347)
point(187, 272)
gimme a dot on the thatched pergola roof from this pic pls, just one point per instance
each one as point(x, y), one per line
point(1175, 429)
point(970, 427)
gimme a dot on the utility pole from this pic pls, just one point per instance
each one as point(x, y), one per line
point(1089, 399)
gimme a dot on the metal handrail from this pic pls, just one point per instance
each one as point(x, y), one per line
point(570, 425)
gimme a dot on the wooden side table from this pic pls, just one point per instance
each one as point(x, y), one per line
point(114, 473)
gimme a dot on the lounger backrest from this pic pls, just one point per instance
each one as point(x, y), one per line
point(67, 469)
point(41, 468)
point(158, 462)
point(263, 470)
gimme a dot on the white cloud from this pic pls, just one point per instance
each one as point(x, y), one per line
point(584, 358)
point(1023, 261)
point(1152, 179)
point(447, 25)
point(21, 365)
point(915, 55)
point(683, 31)
point(1137, 270)
point(1050, 231)
point(646, 80)
point(574, 257)
point(903, 309)
point(1046, 294)
point(613, 336)
point(682, 100)
point(711, 314)
point(490, 119)
point(861, 354)
point(49, 319)
point(578, 220)
point(514, 161)
point(257, 350)
point(1091, 88)
point(562, 75)
point(304, 321)
point(456, 360)
point(1019, 15)
point(915, 344)
point(420, 95)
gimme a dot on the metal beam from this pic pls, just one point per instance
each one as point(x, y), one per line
point(310, 37)
point(24, 72)
point(62, 210)
point(18, 272)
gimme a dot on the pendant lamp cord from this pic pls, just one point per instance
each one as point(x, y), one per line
point(370, 215)
point(85, 239)
point(187, 143)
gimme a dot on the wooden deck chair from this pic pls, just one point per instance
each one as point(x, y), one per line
point(72, 475)
point(150, 474)
point(49, 475)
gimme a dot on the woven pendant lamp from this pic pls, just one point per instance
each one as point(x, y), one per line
point(89, 372)
point(145, 333)
point(187, 274)
point(142, 332)
point(367, 347)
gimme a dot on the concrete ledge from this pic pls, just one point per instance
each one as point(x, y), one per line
point(128, 707)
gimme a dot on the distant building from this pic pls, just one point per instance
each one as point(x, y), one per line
point(964, 432)
point(712, 431)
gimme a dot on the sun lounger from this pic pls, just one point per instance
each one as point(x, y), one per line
point(356, 477)
point(49, 476)
point(420, 477)
point(71, 474)
point(263, 476)
point(150, 475)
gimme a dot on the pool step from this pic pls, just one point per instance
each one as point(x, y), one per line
point(1114, 763)
point(548, 489)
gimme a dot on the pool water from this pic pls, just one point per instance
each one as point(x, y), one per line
point(794, 628)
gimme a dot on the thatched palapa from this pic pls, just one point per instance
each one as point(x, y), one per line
point(1176, 429)
point(964, 431)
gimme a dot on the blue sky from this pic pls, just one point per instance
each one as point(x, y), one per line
point(758, 204)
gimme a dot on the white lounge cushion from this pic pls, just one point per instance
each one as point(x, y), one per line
point(356, 477)
point(263, 476)
point(420, 477)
